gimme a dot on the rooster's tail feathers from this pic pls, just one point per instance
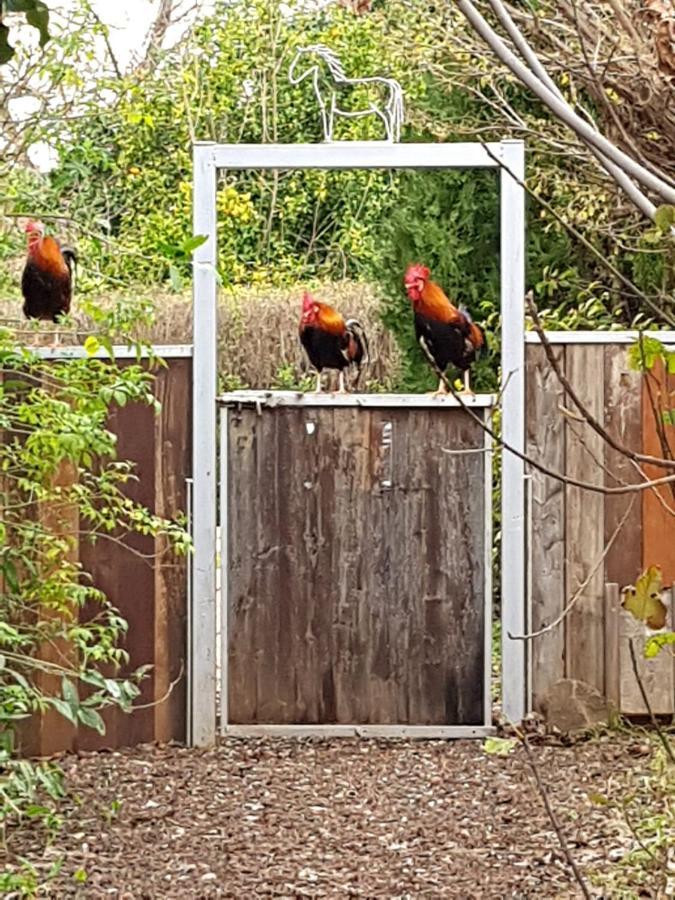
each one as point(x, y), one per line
point(70, 257)
point(357, 330)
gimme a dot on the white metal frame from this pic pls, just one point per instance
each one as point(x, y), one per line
point(272, 399)
point(209, 158)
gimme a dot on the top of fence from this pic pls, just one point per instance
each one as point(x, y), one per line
point(165, 351)
point(368, 401)
point(599, 337)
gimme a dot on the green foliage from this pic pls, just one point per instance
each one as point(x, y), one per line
point(61, 482)
point(647, 352)
point(228, 82)
point(645, 812)
point(449, 222)
point(657, 642)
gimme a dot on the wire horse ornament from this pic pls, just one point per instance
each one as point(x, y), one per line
point(390, 108)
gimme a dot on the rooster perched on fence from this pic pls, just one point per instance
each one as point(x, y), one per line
point(447, 332)
point(46, 283)
point(331, 342)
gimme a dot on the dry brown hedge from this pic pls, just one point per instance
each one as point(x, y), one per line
point(258, 343)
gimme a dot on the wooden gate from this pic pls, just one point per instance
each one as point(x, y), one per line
point(356, 560)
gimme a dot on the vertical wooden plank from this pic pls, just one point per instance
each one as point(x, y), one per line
point(242, 549)
point(658, 521)
point(172, 463)
point(612, 646)
point(56, 733)
point(584, 453)
point(125, 572)
point(623, 420)
point(656, 674)
point(546, 443)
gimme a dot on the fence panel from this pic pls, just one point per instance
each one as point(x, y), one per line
point(577, 539)
point(145, 582)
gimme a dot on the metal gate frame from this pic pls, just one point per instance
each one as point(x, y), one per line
point(482, 402)
point(209, 158)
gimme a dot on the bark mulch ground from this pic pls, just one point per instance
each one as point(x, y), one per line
point(336, 818)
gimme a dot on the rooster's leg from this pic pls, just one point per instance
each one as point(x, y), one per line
point(441, 390)
point(318, 382)
point(467, 385)
point(341, 382)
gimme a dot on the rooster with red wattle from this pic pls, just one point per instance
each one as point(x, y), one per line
point(448, 332)
point(331, 342)
point(46, 283)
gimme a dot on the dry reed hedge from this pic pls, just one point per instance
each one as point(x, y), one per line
point(258, 343)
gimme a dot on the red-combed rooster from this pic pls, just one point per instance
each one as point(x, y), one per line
point(330, 341)
point(46, 283)
point(449, 333)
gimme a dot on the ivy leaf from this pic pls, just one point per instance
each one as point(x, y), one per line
point(643, 600)
point(497, 746)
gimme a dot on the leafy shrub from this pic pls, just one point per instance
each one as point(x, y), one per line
point(60, 483)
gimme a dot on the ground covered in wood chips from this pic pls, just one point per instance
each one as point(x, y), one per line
point(337, 818)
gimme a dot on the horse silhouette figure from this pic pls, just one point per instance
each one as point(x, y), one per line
point(321, 62)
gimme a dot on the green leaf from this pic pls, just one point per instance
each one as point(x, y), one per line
point(80, 875)
point(191, 243)
point(69, 692)
point(64, 708)
point(497, 746)
point(664, 217)
point(91, 719)
point(175, 279)
point(655, 644)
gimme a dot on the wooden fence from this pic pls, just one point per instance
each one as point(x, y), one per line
point(150, 593)
point(356, 564)
point(577, 541)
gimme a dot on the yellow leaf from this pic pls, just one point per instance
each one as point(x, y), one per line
point(644, 599)
point(91, 345)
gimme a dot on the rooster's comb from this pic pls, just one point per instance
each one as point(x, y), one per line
point(416, 272)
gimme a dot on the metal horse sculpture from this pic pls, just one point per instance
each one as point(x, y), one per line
point(389, 109)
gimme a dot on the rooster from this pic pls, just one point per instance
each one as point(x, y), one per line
point(330, 341)
point(46, 283)
point(448, 333)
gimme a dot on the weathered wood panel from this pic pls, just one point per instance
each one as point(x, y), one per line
point(545, 438)
point(658, 545)
point(356, 567)
point(584, 454)
point(623, 421)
